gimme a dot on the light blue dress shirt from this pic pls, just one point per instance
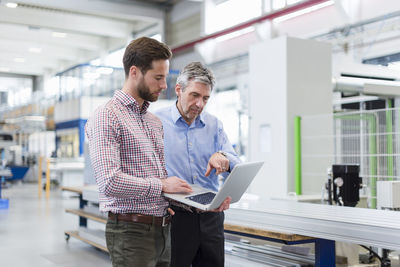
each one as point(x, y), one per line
point(188, 148)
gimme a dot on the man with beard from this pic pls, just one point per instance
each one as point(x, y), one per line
point(195, 145)
point(127, 154)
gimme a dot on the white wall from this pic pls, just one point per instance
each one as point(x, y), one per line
point(288, 77)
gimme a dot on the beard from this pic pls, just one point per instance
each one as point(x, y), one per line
point(144, 92)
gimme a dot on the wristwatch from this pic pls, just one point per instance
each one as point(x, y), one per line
point(223, 153)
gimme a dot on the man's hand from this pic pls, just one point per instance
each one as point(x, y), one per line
point(224, 205)
point(171, 211)
point(174, 184)
point(218, 162)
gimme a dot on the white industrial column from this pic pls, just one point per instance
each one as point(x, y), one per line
point(288, 77)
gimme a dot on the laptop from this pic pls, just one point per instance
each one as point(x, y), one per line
point(235, 185)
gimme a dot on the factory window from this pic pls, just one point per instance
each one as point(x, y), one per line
point(224, 14)
point(291, 2)
point(278, 4)
point(51, 87)
point(114, 59)
point(18, 91)
point(272, 5)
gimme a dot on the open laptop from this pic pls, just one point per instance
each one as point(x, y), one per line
point(235, 185)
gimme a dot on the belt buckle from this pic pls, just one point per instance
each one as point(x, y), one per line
point(164, 223)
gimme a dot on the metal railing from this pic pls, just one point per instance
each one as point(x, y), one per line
point(368, 138)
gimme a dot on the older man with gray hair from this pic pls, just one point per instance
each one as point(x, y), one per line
point(196, 150)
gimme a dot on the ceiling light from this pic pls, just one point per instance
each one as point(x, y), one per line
point(19, 59)
point(59, 34)
point(11, 5)
point(304, 11)
point(35, 49)
point(4, 69)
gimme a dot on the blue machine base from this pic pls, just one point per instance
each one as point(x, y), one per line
point(4, 204)
point(18, 172)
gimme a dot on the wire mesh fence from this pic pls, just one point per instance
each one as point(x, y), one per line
point(368, 138)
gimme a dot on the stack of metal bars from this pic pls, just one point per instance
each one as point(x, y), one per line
point(269, 255)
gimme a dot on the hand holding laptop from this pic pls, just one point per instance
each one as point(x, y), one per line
point(224, 205)
point(235, 185)
point(174, 184)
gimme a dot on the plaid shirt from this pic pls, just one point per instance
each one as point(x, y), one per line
point(127, 153)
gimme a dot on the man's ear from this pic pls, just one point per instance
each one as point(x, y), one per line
point(134, 72)
point(178, 90)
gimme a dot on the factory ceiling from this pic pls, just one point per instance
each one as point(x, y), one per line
point(43, 37)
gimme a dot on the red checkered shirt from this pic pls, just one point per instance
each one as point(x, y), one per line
point(127, 153)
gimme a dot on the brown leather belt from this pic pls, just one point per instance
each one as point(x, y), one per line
point(140, 218)
point(188, 209)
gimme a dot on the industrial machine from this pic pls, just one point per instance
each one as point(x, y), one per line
point(6, 140)
point(344, 185)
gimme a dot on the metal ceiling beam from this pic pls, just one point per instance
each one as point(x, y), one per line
point(44, 36)
point(66, 22)
point(22, 48)
point(269, 16)
point(38, 60)
point(113, 9)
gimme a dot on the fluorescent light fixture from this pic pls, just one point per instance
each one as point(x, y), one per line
point(4, 69)
point(104, 70)
point(11, 5)
point(304, 11)
point(19, 59)
point(234, 34)
point(35, 49)
point(59, 34)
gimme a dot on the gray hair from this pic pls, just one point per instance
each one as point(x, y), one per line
point(196, 72)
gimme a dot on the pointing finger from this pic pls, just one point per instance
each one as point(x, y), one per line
point(208, 170)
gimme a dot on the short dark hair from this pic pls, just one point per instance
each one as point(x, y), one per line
point(142, 52)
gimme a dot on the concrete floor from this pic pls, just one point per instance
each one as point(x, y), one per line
point(32, 231)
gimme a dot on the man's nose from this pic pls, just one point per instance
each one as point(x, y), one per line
point(200, 103)
point(163, 84)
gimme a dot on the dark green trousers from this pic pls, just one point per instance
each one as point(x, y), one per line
point(133, 244)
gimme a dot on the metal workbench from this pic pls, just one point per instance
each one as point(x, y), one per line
point(325, 224)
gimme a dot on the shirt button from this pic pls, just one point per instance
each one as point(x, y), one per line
point(195, 176)
point(192, 160)
point(190, 144)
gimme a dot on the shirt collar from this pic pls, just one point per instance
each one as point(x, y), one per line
point(176, 115)
point(131, 102)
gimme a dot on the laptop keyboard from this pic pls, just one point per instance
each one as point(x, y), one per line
point(204, 198)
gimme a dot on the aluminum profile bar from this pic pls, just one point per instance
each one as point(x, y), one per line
point(378, 228)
